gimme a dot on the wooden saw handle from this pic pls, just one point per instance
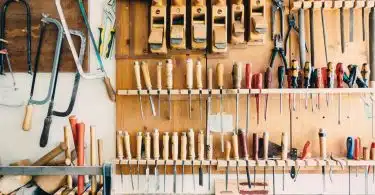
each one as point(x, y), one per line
point(189, 73)
point(110, 91)
point(147, 146)
point(169, 74)
point(26, 126)
point(165, 146)
point(183, 146)
point(159, 69)
point(174, 146)
point(127, 145)
point(201, 145)
point(146, 75)
point(156, 144)
point(198, 73)
point(220, 75)
point(137, 72)
point(191, 143)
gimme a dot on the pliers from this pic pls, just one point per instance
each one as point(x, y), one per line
point(277, 5)
point(278, 48)
point(106, 37)
point(291, 25)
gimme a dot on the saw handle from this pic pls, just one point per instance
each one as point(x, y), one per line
point(155, 136)
point(165, 146)
point(146, 75)
point(147, 146)
point(26, 126)
point(110, 91)
point(183, 146)
point(50, 155)
point(174, 146)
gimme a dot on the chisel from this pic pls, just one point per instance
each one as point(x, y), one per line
point(339, 79)
point(147, 158)
point(266, 136)
point(255, 151)
point(237, 77)
point(191, 149)
point(209, 137)
point(147, 80)
point(248, 79)
point(267, 84)
point(159, 83)
point(120, 153)
point(242, 138)
point(93, 158)
point(137, 71)
point(128, 155)
point(236, 157)
point(174, 158)
point(189, 80)
point(199, 86)
point(220, 83)
point(169, 76)
point(307, 77)
point(200, 155)
point(257, 83)
point(183, 157)
point(139, 154)
point(323, 153)
point(155, 144)
point(209, 158)
point(366, 157)
point(165, 154)
point(284, 152)
point(330, 79)
point(227, 158)
point(280, 78)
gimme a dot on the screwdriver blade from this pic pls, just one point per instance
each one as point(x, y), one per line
point(165, 171)
point(221, 121)
point(209, 176)
point(237, 119)
point(248, 174)
point(226, 176)
point(138, 175)
point(351, 24)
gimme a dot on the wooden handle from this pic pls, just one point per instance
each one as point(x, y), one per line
point(357, 150)
point(147, 146)
point(137, 72)
point(177, 2)
point(80, 154)
point(146, 75)
point(93, 157)
point(155, 136)
point(127, 145)
point(243, 144)
point(323, 143)
point(201, 145)
point(220, 75)
point(235, 146)
point(365, 72)
point(169, 74)
point(157, 2)
point(159, 69)
point(210, 147)
point(50, 155)
point(174, 146)
point(73, 123)
point(209, 79)
point(255, 146)
point(68, 156)
point(227, 150)
point(237, 75)
point(266, 137)
point(139, 146)
point(27, 120)
point(189, 73)
point(183, 146)
point(198, 73)
point(366, 153)
point(198, 3)
point(110, 91)
point(372, 151)
point(248, 75)
point(191, 145)
point(119, 145)
point(165, 146)
point(100, 158)
point(284, 146)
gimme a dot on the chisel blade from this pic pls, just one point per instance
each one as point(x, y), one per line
point(156, 173)
point(174, 177)
point(200, 176)
point(248, 174)
point(131, 175)
point(152, 105)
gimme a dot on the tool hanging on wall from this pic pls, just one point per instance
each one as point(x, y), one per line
point(107, 29)
point(137, 71)
point(128, 155)
point(147, 80)
point(266, 136)
point(302, 41)
point(191, 149)
point(238, 22)
point(342, 29)
point(120, 153)
point(210, 150)
point(29, 108)
point(284, 152)
point(242, 138)
point(138, 155)
point(257, 22)
point(219, 26)
point(169, 77)
point(183, 155)
point(199, 82)
point(147, 152)
point(293, 72)
point(324, 31)
point(257, 84)
point(267, 85)
point(189, 80)
point(330, 79)
point(227, 158)
point(158, 26)
point(277, 5)
point(80, 154)
point(155, 147)
point(165, 155)
point(372, 47)
point(201, 147)
point(280, 79)
point(292, 26)
point(339, 78)
point(237, 78)
point(102, 74)
point(220, 84)
point(198, 25)
point(178, 24)
point(312, 37)
point(174, 158)
point(323, 153)
point(4, 9)
point(307, 76)
point(248, 80)
point(255, 152)
point(67, 112)
point(159, 83)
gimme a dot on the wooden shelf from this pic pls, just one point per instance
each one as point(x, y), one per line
point(247, 91)
point(332, 5)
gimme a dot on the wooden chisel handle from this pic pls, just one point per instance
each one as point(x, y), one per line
point(68, 156)
point(209, 79)
point(93, 157)
point(127, 145)
point(169, 74)
point(235, 146)
point(198, 72)
point(323, 143)
point(50, 155)
point(73, 122)
point(210, 147)
point(139, 146)
point(189, 73)
point(159, 69)
point(237, 75)
point(147, 146)
point(183, 146)
point(255, 146)
point(227, 150)
point(174, 146)
point(165, 146)
point(110, 91)
point(366, 153)
point(284, 145)
point(100, 158)
point(248, 75)
point(266, 137)
point(157, 2)
point(146, 75)
point(26, 126)
point(243, 144)
point(191, 143)
point(119, 145)
point(80, 155)
point(372, 152)
point(137, 72)
point(155, 136)
point(220, 75)
point(201, 145)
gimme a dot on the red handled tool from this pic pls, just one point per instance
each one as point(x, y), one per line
point(257, 84)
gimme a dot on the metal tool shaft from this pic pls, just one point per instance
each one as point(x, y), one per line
point(342, 31)
point(152, 104)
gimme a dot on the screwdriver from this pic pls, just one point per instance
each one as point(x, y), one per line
point(191, 152)
point(199, 86)
point(159, 83)
point(189, 80)
point(294, 75)
point(165, 154)
point(147, 158)
point(280, 78)
point(169, 76)
point(139, 154)
point(227, 158)
point(267, 84)
point(307, 76)
point(209, 158)
point(137, 72)
point(319, 83)
point(242, 138)
point(323, 153)
point(120, 153)
point(248, 86)
point(237, 77)
point(257, 84)
point(339, 79)
point(220, 83)
point(255, 151)
point(200, 155)
point(174, 158)
point(146, 78)
point(349, 155)
point(330, 79)
point(128, 155)
point(183, 157)
point(266, 136)
point(236, 157)
point(284, 152)
point(366, 157)
point(156, 157)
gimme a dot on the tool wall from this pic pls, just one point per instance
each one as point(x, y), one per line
point(314, 108)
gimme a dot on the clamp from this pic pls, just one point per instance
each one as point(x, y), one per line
point(291, 25)
point(278, 48)
point(277, 5)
